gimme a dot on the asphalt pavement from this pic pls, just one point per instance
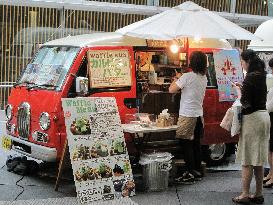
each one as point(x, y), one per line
point(217, 188)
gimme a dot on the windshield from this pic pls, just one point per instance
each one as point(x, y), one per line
point(49, 67)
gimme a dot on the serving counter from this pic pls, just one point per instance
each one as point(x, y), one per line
point(138, 129)
point(142, 135)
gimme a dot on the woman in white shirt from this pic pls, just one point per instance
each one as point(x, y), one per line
point(268, 180)
point(190, 121)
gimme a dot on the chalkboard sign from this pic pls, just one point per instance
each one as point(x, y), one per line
point(98, 152)
point(109, 68)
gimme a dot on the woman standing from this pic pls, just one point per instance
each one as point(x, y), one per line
point(190, 121)
point(253, 141)
point(268, 180)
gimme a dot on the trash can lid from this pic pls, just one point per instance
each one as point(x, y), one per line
point(155, 157)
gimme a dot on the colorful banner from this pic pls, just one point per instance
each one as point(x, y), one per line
point(98, 153)
point(109, 68)
point(228, 71)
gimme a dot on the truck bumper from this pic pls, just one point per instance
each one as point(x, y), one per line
point(30, 149)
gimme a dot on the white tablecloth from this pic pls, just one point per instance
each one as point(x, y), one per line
point(137, 129)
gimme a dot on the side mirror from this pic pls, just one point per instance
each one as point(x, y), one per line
point(82, 86)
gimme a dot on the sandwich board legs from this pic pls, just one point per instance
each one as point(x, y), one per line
point(61, 164)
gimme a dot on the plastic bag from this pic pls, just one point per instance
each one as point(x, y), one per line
point(269, 102)
point(237, 118)
point(155, 157)
point(227, 120)
point(21, 165)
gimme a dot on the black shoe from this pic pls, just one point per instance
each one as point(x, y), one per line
point(197, 175)
point(238, 200)
point(265, 180)
point(257, 199)
point(186, 178)
point(270, 185)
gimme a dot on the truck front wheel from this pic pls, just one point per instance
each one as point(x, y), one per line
point(215, 154)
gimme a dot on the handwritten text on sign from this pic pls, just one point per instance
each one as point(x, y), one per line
point(98, 153)
point(109, 68)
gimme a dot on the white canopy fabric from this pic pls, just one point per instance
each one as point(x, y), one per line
point(186, 20)
point(264, 31)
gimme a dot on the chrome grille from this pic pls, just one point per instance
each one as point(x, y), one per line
point(8, 127)
point(23, 120)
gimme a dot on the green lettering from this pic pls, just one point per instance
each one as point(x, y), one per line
point(105, 63)
point(75, 103)
point(91, 109)
point(117, 71)
point(94, 63)
point(81, 109)
point(106, 73)
point(68, 103)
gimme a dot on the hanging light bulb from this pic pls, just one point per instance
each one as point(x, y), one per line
point(174, 48)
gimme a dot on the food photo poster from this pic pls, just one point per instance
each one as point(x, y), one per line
point(98, 153)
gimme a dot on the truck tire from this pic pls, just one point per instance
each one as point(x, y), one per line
point(215, 154)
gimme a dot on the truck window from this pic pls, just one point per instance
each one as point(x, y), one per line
point(49, 67)
point(82, 72)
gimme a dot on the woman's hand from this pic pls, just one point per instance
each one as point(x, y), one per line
point(177, 76)
point(239, 85)
point(174, 87)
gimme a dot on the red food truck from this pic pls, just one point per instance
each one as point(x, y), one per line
point(115, 66)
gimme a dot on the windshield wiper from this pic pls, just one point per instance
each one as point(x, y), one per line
point(23, 83)
point(41, 85)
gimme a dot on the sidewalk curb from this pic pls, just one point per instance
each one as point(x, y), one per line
point(67, 201)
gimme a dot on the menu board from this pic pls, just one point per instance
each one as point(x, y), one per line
point(181, 42)
point(109, 68)
point(98, 152)
point(228, 71)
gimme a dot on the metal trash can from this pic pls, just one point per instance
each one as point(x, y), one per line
point(155, 168)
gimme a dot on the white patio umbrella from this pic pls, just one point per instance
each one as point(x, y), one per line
point(186, 20)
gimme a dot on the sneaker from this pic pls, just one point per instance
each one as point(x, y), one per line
point(186, 178)
point(197, 175)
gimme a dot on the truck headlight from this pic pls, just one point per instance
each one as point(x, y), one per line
point(44, 121)
point(9, 111)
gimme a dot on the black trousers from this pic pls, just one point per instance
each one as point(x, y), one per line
point(191, 149)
